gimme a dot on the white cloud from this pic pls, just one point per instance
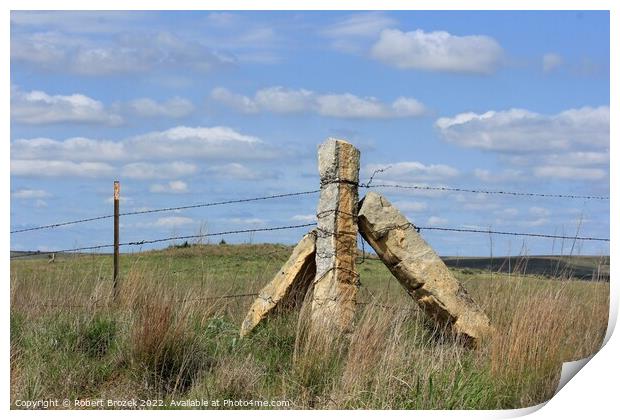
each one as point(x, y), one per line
point(144, 170)
point(172, 187)
point(40, 204)
point(519, 130)
point(551, 62)
point(569, 145)
point(130, 53)
point(438, 51)
point(77, 148)
point(173, 221)
point(409, 172)
point(232, 100)
point(172, 108)
point(37, 107)
point(157, 155)
point(57, 168)
point(94, 22)
point(174, 143)
point(350, 106)
point(198, 142)
point(304, 218)
point(30, 194)
point(280, 100)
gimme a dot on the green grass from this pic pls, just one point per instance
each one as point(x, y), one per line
point(168, 336)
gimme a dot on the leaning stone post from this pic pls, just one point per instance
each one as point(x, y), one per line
point(288, 286)
point(336, 282)
point(419, 269)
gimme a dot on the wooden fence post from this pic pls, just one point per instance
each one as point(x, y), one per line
point(117, 191)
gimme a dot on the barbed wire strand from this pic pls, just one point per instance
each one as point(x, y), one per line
point(167, 209)
point(294, 194)
point(479, 191)
point(171, 238)
point(323, 231)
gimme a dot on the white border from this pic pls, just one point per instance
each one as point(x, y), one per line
point(592, 394)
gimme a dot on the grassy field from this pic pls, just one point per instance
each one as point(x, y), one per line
point(171, 337)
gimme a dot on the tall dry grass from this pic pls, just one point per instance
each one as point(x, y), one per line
point(165, 336)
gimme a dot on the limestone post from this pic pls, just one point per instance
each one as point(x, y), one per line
point(419, 269)
point(289, 285)
point(336, 282)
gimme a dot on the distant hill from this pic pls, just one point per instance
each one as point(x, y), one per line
point(578, 267)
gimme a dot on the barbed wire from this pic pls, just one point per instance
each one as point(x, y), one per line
point(152, 241)
point(479, 191)
point(367, 185)
point(322, 231)
point(167, 209)
point(55, 225)
point(495, 232)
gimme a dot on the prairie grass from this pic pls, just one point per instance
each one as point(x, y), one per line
point(169, 336)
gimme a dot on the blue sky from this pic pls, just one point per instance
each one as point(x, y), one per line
point(191, 107)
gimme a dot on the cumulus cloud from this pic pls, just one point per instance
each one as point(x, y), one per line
point(350, 106)
point(37, 107)
point(129, 53)
point(233, 100)
point(569, 145)
point(198, 142)
point(172, 187)
point(94, 22)
point(178, 142)
point(520, 130)
point(281, 100)
point(76, 148)
point(141, 156)
point(437, 51)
